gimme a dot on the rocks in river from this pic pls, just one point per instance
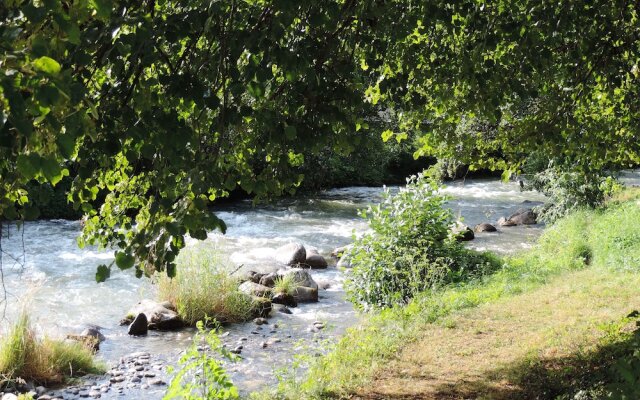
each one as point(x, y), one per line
point(261, 307)
point(284, 299)
point(300, 276)
point(158, 316)
point(260, 321)
point(255, 289)
point(251, 276)
point(505, 222)
point(291, 254)
point(269, 279)
point(462, 232)
point(304, 294)
point(484, 227)
point(90, 337)
point(523, 216)
point(316, 261)
point(281, 308)
point(139, 326)
point(338, 252)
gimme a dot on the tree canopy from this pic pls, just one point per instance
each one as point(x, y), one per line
point(157, 107)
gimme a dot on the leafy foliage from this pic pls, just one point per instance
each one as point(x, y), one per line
point(163, 106)
point(202, 376)
point(410, 250)
point(569, 190)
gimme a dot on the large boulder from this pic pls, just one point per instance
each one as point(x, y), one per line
point(300, 276)
point(284, 299)
point(462, 233)
point(269, 279)
point(252, 276)
point(484, 227)
point(255, 289)
point(139, 326)
point(291, 254)
point(315, 261)
point(524, 216)
point(158, 316)
point(304, 294)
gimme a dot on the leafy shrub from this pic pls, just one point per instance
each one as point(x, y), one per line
point(202, 376)
point(203, 287)
point(567, 189)
point(24, 356)
point(410, 248)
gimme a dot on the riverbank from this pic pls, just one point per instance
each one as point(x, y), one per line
point(553, 317)
point(57, 279)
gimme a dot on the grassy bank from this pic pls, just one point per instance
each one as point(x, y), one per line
point(45, 361)
point(591, 258)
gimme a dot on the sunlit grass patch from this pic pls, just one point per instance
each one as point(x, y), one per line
point(24, 356)
point(203, 287)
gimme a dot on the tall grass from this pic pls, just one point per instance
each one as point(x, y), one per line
point(203, 287)
point(607, 239)
point(46, 361)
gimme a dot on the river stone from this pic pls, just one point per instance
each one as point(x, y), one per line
point(158, 316)
point(9, 396)
point(251, 276)
point(139, 326)
point(485, 227)
point(94, 333)
point(304, 294)
point(291, 254)
point(269, 279)
point(284, 299)
point(255, 289)
point(463, 233)
point(338, 252)
point(281, 308)
point(261, 307)
point(300, 276)
point(316, 261)
point(523, 216)
point(505, 222)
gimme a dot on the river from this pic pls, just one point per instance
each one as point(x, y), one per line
point(54, 280)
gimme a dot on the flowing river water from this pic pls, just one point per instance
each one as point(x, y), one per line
point(49, 276)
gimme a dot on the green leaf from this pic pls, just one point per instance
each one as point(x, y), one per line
point(47, 65)
point(52, 170)
point(103, 8)
point(66, 145)
point(29, 165)
point(103, 273)
point(124, 260)
point(290, 132)
point(386, 135)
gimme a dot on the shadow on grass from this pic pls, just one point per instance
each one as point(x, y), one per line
point(594, 372)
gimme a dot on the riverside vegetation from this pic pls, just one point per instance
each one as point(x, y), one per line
point(586, 345)
point(24, 357)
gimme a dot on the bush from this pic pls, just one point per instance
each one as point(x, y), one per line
point(46, 361)
point(410, 249)
point(202, 376)
point(567, 189)
point(203, 287)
